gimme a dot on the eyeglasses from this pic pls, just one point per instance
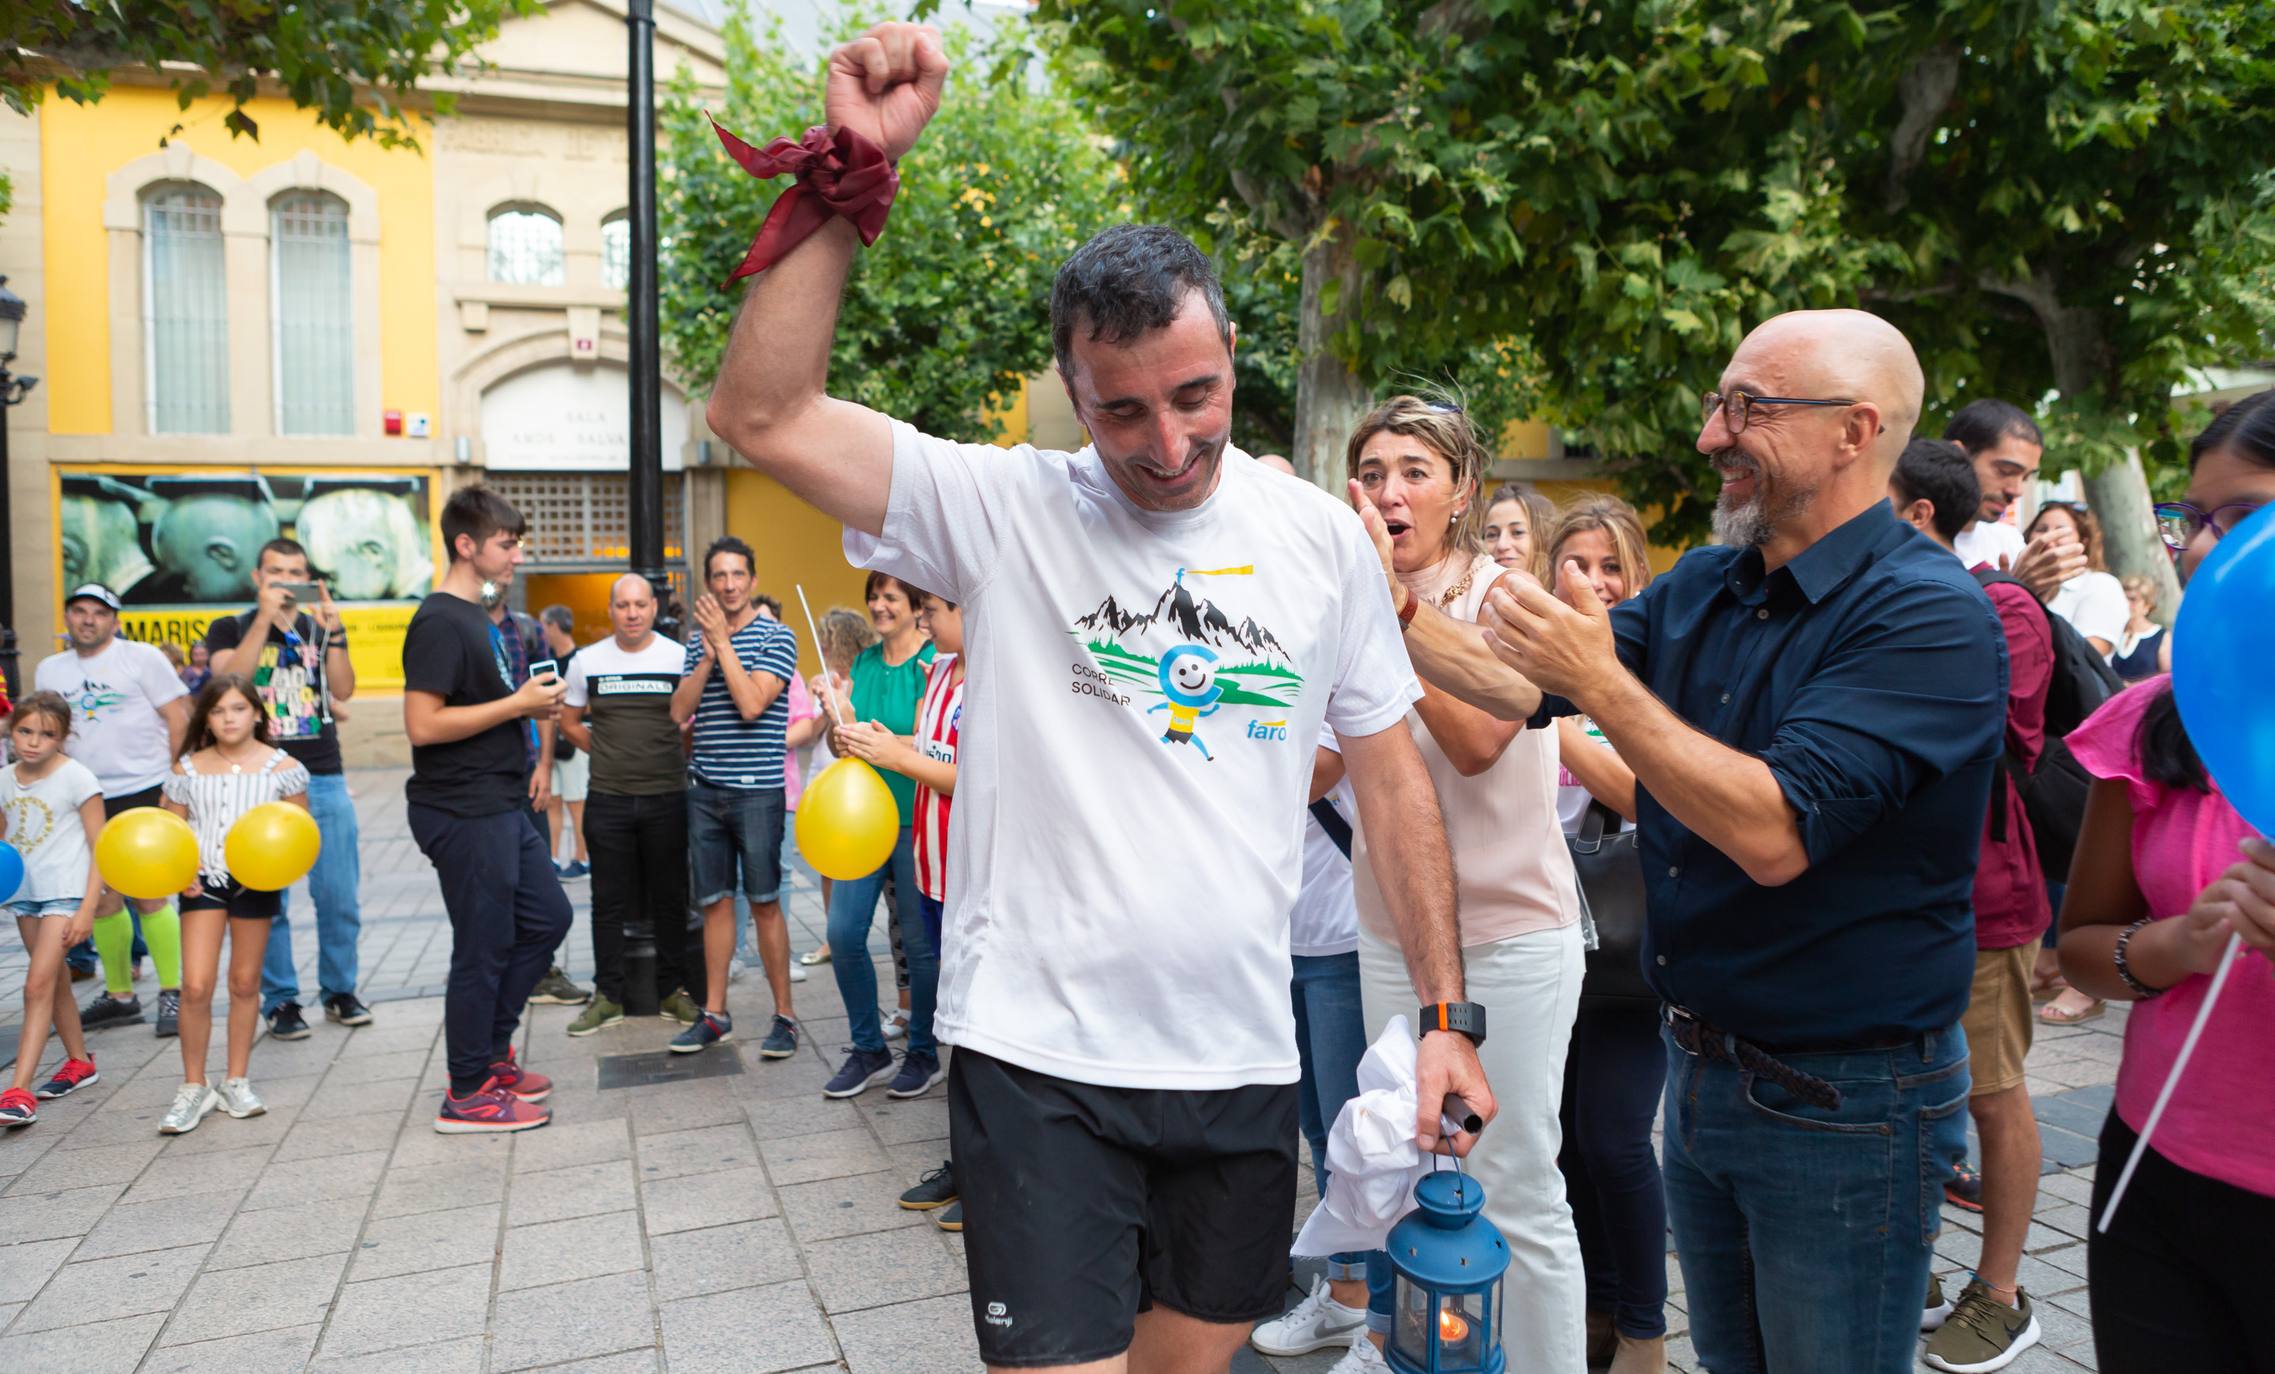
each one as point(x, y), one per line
point(1738, 406)
point(2180, 522)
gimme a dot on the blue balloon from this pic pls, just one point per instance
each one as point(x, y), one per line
point(11, 871)
point(2223, 669)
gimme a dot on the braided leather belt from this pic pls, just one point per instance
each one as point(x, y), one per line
point(1711, 1042)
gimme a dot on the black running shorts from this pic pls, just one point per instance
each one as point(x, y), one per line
point(1084, 1205)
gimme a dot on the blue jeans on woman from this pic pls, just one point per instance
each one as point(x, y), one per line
point(1330, 1039)
point(1804, 1232)
point(334, 885)
point(852, 911)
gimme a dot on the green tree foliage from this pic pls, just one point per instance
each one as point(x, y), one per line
point(356, 63)
point(1577, 210)
point(950, 309)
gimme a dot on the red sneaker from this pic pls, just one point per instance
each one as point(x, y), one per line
point(487, 1110)
point(511, 1077)
point(17, 1108)
point(73, 1075)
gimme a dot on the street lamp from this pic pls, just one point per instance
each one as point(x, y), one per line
point(13, 389)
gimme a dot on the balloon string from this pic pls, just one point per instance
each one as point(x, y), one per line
point(816, 630)
point(2171, 1080)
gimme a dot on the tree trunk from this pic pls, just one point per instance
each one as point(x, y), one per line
point(1329, 398)
point(2119, 493)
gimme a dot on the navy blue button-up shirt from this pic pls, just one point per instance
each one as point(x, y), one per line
point(1870, 675)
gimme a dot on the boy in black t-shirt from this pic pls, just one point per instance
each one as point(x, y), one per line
point(468, 797)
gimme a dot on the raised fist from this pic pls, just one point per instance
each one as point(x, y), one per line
point(886, 85)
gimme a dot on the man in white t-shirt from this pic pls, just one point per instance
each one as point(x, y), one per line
point(2006, 446)
point(128, 715)
point(1155, 637)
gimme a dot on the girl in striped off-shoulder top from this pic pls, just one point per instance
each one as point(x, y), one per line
point(230, 769)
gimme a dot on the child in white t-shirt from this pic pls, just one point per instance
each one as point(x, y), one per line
point(51, 810)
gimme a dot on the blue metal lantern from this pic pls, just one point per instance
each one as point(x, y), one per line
point(1449, 1261)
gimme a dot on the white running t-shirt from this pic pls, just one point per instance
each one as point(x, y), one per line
point(115, 693)
point(1136, 750)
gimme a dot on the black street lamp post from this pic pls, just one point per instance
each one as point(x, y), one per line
point(13, 389)
point(645, 477)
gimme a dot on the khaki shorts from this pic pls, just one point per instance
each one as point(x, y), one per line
point(571, 777)
point(1999, 1019)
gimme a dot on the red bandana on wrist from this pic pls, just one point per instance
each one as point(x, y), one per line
point(843, 174)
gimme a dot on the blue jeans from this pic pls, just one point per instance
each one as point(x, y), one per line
point(852, 911)
point(1805, 1233)
point(1330, 1039)
point(333, 885)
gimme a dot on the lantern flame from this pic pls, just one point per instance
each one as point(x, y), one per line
point(1451, 1328)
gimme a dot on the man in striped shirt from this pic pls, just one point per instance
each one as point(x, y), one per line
point(738, 665)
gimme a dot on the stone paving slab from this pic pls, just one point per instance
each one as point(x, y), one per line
point(737, 1223)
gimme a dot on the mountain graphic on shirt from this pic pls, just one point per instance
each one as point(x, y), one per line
point(1125, 643)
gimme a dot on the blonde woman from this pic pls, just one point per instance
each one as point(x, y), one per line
point(2146, 648)
point(1517, 522)
point(1419, 464)
point(1617, 1068)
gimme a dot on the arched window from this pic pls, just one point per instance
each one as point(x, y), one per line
point(185, 314)
point(312, 323)
point(616, 252)
point(525, 247)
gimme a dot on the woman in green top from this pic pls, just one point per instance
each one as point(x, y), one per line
point(887, 686)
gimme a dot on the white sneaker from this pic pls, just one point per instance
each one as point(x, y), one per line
point(239, 1100)
point(191, 1104)
point(896, 1022)
point(1361, 1358)
point(797, 973)
point(1317, 1323)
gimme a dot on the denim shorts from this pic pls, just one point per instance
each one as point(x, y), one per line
point(53, 906)
point(731, 826)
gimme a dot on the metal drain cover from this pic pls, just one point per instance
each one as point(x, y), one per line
point(662, 1066)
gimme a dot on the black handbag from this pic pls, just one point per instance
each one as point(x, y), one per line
point(1609, 864)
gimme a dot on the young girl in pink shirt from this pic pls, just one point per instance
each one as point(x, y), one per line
point(2165, 871)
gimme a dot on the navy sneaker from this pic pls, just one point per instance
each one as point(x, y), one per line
point(863, 1070)
point(286, 1022)
point(919, 1071)
point(107, 1010)
point(709, 1029)
point(780, 1042)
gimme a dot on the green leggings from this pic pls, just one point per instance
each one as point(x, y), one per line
point(161, 930)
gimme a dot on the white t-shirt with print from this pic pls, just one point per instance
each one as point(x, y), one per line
point(1136, 750)
point(115, 726)
point(1326, 916)
point(2094, 604)
point(44, 826)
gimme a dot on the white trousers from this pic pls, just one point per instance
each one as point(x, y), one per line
point(1529, 986)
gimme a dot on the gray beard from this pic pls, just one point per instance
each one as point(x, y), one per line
point(1742, 527)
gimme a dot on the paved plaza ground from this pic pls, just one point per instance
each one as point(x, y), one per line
point(733, 1224)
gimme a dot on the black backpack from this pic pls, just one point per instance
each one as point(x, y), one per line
point(2054, 792)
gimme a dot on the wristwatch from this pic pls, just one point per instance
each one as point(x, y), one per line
point(1468, 1018)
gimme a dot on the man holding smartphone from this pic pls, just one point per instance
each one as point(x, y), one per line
point(294, 648)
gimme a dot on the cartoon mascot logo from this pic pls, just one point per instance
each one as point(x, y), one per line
point(1188, 679)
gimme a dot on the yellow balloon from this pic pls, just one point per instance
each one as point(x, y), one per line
point(272, 846)
point(847, 822)
point(147, 853)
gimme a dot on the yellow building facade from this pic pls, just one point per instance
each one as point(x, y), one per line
point(300, 335)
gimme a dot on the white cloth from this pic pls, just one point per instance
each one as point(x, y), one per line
point(1372, 1159)
point(1530, 985)
point(44, 826)
point(1985, 541)
point(2094, 604)
point(1126, 861)
point(1326, 919)
point(115, 694)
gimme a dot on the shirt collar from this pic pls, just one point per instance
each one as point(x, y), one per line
point(1826, 565)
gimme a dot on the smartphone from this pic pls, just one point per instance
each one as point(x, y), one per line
point(303, 593)
point(544, 667)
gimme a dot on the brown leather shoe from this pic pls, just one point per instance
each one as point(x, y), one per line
point(1603, 1338)
point(1640, 1357)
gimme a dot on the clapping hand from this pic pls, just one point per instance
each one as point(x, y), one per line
point(1561, 643)
point(711, 620)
